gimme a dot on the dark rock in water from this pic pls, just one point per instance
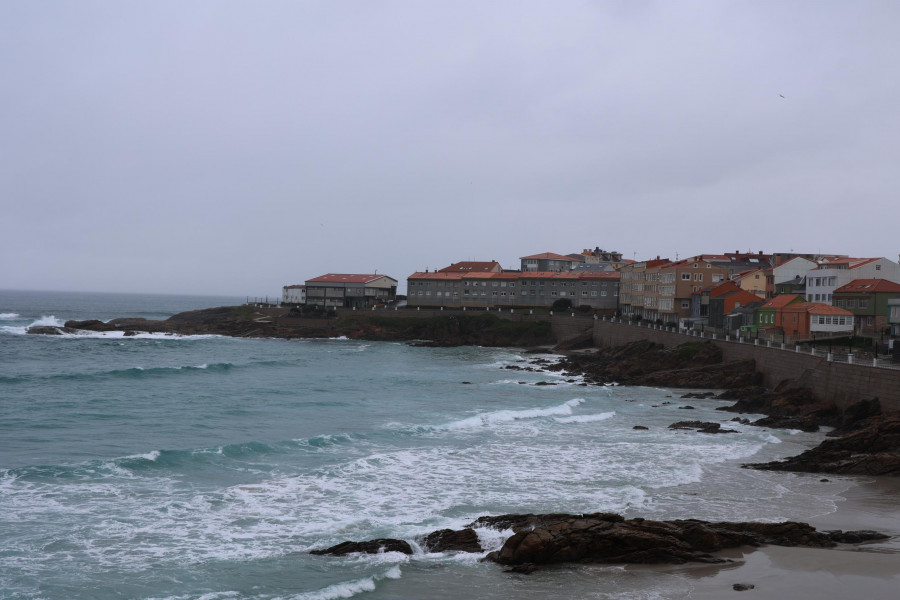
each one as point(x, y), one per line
point(467, 383)
point(699, 395)
point(608, 538)
point(855, 537)
point(742, 587)
point(787, 423)
point(544, 383)
point(91, 325)
point(526, 569)
point(686, 407)
point(872, 450)
point(44, 330)
point(640, 427)
point(130, 333)
point(370, 547)
point(463, 540)
point(788, 402)
point(701, 426)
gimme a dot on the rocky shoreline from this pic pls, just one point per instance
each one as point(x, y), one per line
point(870, 442)
point(540, 540)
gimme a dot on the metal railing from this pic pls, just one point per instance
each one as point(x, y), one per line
point(837, 355)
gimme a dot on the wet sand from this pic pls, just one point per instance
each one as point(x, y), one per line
point(869, 571)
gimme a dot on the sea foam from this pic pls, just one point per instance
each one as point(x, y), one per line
point(505, 416)
point(348, 589)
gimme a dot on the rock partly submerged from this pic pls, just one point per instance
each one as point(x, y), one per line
point(610, 538)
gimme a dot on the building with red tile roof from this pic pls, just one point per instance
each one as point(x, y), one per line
point(547, 261)
point(350, 290)
point(596, 289)
point(868, 300)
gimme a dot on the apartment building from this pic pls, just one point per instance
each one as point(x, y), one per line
point(596, 289)
point(350, 290)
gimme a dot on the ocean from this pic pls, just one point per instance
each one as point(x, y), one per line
point(206, 468)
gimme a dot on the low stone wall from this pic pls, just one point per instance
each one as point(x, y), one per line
point(841, 383)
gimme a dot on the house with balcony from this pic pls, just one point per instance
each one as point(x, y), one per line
point(350, 290)
point(868, 300)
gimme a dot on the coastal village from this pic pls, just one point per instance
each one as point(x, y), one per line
point(786, 297)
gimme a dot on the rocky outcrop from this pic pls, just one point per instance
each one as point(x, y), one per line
point(873, 448)
point(792, 403)
point(701, 426)
point(448, 540)
point(369, 547)
point(610, 538)
point(693, 365)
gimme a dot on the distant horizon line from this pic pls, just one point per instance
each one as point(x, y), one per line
point(137, 293)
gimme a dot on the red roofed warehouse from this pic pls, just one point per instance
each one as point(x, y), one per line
point(336, 290)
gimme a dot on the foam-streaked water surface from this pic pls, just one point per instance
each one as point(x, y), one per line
point(207, 467)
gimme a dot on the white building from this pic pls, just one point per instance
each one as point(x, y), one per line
point(822, 281)
point(293, 294)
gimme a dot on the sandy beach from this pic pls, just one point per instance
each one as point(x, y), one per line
point(870, 571)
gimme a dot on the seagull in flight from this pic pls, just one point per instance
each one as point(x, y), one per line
point(782, 95)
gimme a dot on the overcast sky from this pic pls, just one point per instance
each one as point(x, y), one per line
point(234, 147)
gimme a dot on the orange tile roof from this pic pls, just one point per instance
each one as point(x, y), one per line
point(818, 308)
point(869, 285)
point(781, 300)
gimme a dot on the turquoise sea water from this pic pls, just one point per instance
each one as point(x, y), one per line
point(206, 467)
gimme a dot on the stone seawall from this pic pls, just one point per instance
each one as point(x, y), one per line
point(841, 383)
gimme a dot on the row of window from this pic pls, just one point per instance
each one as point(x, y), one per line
point(851, 303)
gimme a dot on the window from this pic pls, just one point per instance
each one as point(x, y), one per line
point(685, 276)
point(695, 265)
point(502, 284)
point(584, 292)
point(851, 303)
point(864, 303)
point(877, 267)
point(685, 304)
point(869, 321)
point(493, 293)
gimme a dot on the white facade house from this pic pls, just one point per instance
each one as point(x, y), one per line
point(824, 318)
point(293, 294)
point(822, 281)
point(792, 269)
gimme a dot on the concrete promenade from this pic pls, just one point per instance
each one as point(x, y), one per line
point(843, 383)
